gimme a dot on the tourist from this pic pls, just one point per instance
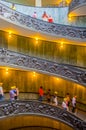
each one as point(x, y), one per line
point(45, 16)
point(50, 19)
point(12, 93)
point(35, 15)
point(41, 93)
point(48, 96)
point(74, 104)
point(68, 101)
point(16, 91)
point(64, 104)
point(1, 92)
point(55, 101)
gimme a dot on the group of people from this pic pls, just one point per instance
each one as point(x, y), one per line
point(45, 17)
point(66, 103)
point(14, 92)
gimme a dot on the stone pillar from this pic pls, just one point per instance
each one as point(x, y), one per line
point(38, 3)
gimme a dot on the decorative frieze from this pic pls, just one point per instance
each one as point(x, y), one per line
point(8, 108)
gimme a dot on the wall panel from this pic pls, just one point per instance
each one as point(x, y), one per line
point(30, 82)
point(69, 54)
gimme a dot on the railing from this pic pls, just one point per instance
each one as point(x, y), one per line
point(41, 26)
point(76, 3)
point(18, 60)
point(81, 106)
point(8, 108)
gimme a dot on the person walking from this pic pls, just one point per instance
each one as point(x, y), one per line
point(41, 93)
point(1, 92)
point(12, 93)
point(68, 101)
point(48, 96)
point(74, 104)
point(64, 104)
point(55, 100)
point(16, 91)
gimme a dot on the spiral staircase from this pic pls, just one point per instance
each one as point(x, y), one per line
point(21, 111)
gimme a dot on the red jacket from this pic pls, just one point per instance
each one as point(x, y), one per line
point(41, 92)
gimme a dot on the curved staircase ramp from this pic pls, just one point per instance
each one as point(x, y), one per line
point(40, 26)
point(77, 8)
point(25, 62)
point(16, 108)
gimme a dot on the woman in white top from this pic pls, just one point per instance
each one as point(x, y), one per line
point(55, 100)
point(1, 92)
point(74, 104)
point(64, 104)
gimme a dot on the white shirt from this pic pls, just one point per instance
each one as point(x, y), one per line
point(64, 105)
point(73, 101)
point(56, 101)
point(1, 90)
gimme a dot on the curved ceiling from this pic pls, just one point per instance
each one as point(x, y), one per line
point(78, 11)
point(31, 122)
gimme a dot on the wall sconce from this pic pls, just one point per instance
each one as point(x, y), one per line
point(34, 74)
point(61, 44)
point(37, 40)
point(69, 17)
point(6, 71)
point(10, 34)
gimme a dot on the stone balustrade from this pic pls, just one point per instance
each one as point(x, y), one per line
point(17, 60)
point(22, 107)
point(41, 26)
